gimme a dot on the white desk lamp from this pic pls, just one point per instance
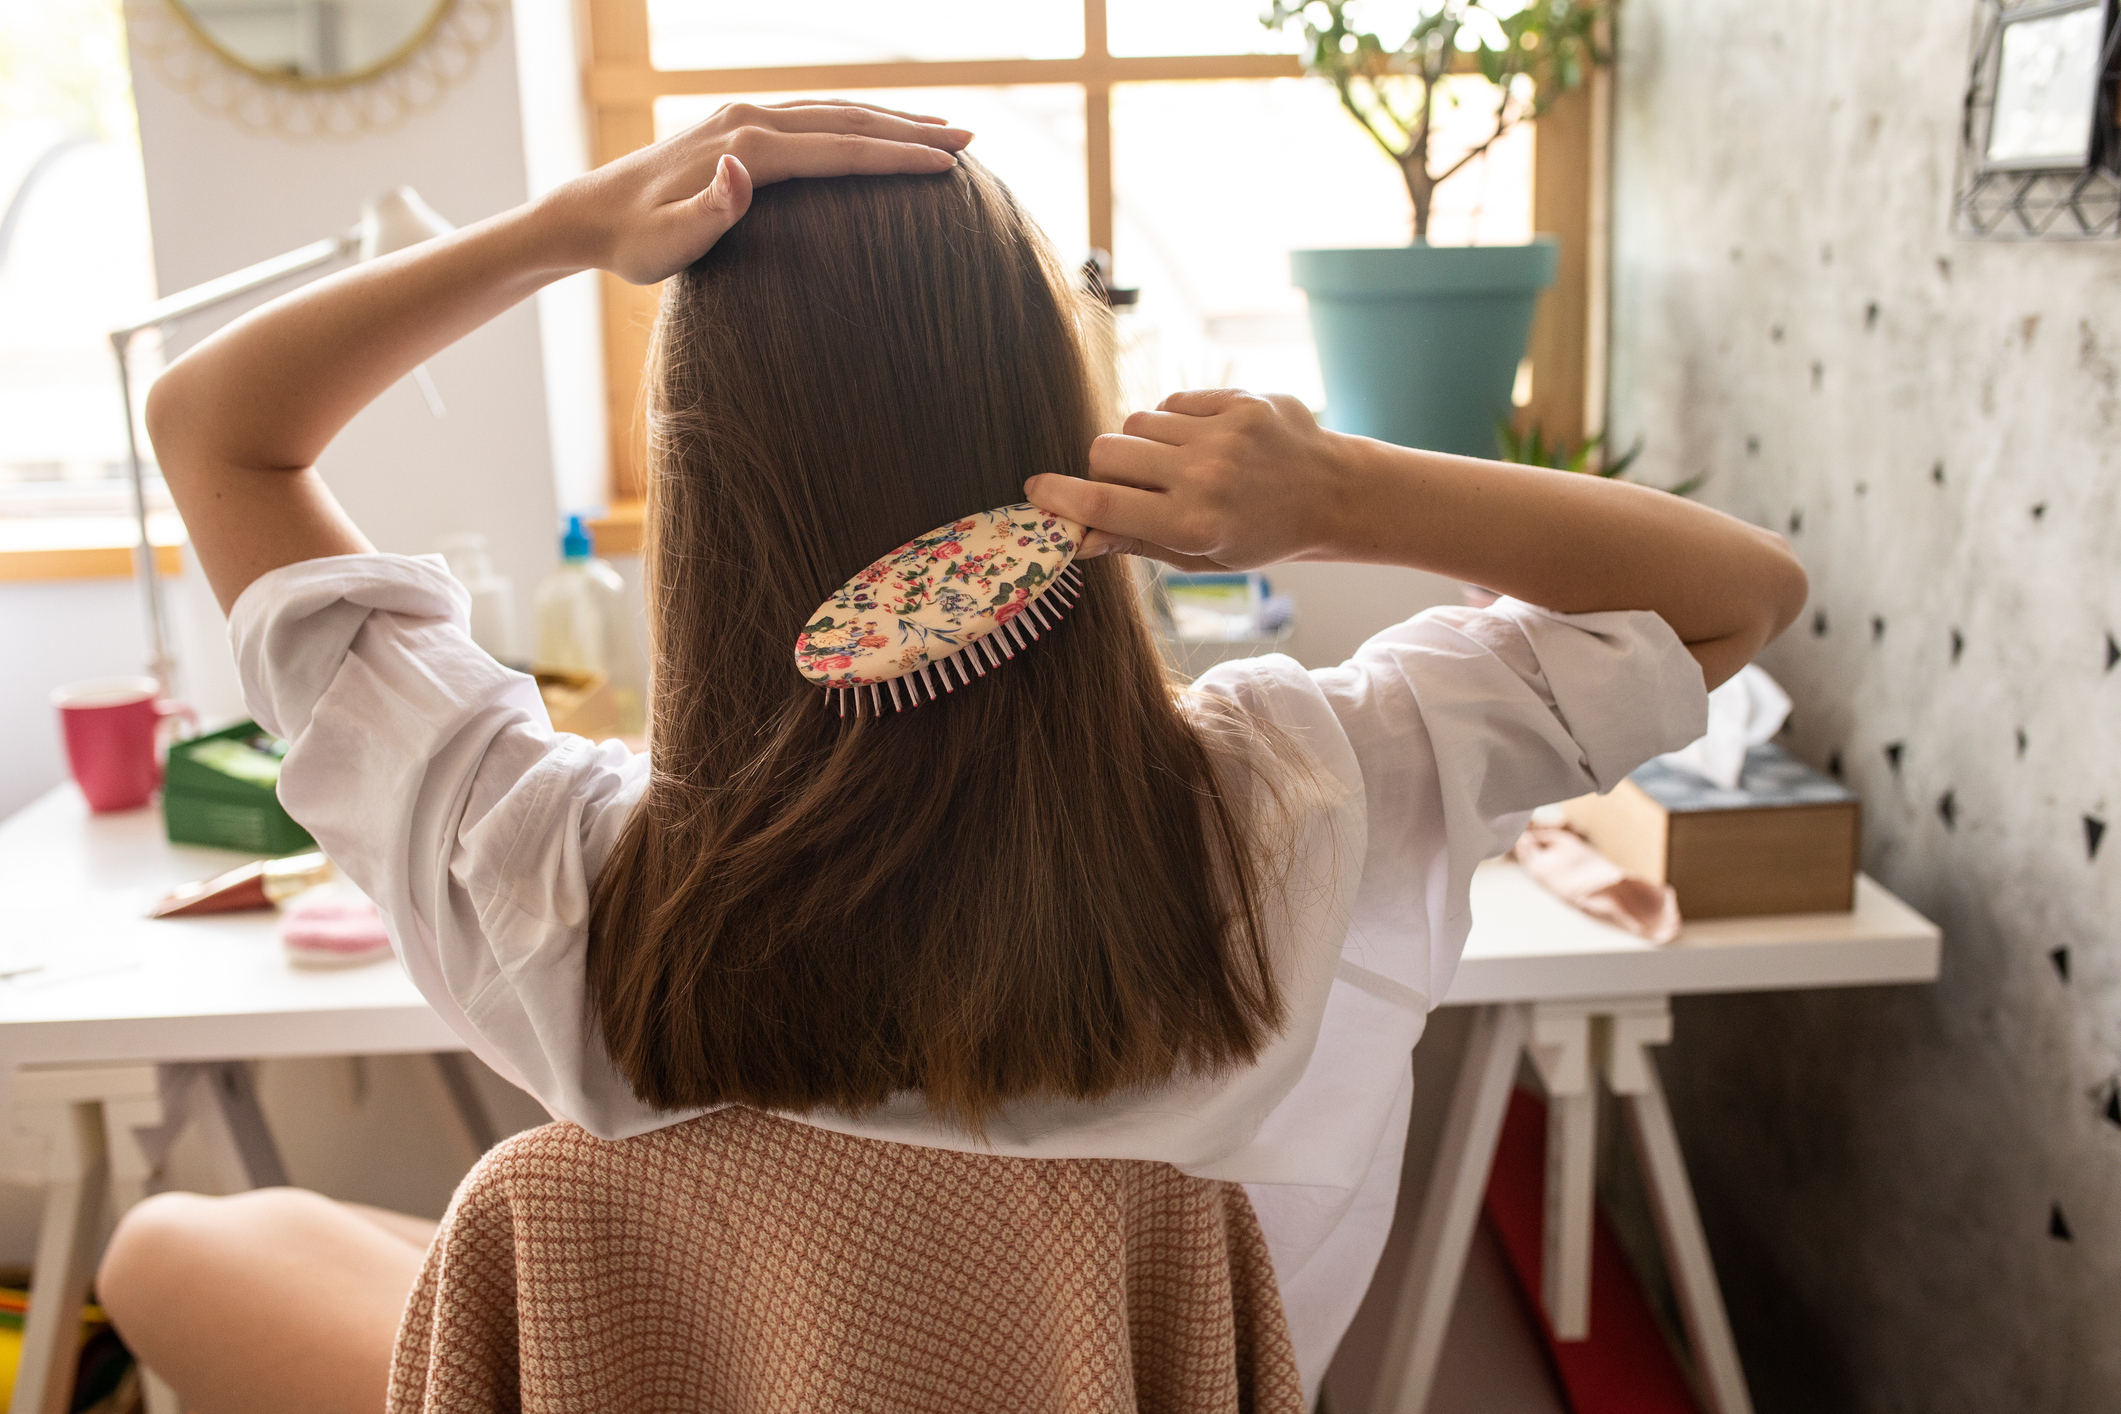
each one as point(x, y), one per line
point(389, 222)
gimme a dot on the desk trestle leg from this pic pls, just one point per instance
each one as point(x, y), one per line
point(1632, 1074)
point(222, 1097)
point(1450, 1209)
point(1570, 1044)
point(65, 1106)
point(1560, 1048)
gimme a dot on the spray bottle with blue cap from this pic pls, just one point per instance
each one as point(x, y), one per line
point(585, 622)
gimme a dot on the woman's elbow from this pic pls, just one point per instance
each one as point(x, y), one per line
point(1784, 586)
point(164, 416)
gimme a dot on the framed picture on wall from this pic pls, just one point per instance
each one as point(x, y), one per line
point(2040, 140)
point(2052, 100)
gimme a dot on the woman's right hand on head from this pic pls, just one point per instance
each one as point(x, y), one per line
point(1216, 480)
point(652, 213)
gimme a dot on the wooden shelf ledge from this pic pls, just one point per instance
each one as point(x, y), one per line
point(619, 530)
point(34, 548)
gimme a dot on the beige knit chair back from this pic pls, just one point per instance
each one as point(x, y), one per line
point(741, 1264)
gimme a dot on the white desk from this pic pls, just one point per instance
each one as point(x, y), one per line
point(1528, 945)
point(1586, 1000)
point(132, 1026)
point(90, 1060)
point(76, 888)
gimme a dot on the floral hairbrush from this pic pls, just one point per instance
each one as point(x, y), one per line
point(972, 591)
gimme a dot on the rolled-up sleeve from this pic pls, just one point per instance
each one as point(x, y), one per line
point(432, 777)
point(1463, 721)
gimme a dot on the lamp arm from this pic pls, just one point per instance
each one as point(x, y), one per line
point(241, 282)
point(145, 572)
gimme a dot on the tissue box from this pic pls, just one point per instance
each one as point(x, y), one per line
point(1785, 841)
point(202, 805)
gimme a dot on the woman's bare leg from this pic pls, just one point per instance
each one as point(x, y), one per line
point(279, 1301)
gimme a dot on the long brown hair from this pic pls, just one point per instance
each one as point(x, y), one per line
point(1041, 886)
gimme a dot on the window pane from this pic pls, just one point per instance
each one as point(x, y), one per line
point(75, 260)
point(1215, 183)
point(1030, 135)
point(1136, 27)
point(745, 34)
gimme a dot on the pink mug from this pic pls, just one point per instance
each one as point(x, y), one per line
point(114, 738)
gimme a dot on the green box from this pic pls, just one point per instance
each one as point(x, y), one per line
point(203, 806)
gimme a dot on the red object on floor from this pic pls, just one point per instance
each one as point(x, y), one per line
point(1625, 1367)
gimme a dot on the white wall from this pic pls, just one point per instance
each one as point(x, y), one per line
point(220, 197)
point(1338, 606)
point(52, 634)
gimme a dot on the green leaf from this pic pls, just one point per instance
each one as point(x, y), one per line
point(1627, 459)
point(1546, 47)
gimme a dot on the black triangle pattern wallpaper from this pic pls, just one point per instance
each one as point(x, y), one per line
point(1913, 1194)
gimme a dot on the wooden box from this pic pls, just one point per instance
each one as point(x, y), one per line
point(1785, 841)
point(578, 702)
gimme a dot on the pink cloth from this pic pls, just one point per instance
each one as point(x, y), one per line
point(1566, 864)
point(333, 932)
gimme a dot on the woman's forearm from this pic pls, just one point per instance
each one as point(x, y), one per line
point(1571, 543)
point(239, 422)
point(269, 392)
point(1227, 480)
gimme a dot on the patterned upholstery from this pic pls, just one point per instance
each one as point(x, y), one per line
point(747, 1264)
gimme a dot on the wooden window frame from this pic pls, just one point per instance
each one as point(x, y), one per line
point(621, 85)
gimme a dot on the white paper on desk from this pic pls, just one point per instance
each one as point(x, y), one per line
point(35, 974)
point(1746, 711)
point(19, 962)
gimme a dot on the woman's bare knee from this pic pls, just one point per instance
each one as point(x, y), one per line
point(149, 1250)
point(276, 1299)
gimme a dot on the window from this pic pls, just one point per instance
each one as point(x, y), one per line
point(1215, 182)
point(1179, 135)
point(75, 262)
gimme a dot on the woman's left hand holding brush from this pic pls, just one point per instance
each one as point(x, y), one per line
point(239, 422)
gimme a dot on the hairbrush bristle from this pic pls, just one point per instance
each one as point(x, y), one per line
point(997, 646)
point(916, 598)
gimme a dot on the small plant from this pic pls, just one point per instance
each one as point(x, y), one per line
point(1529, 448)
point(1532, 51)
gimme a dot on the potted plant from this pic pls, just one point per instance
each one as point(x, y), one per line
point(1420, 344)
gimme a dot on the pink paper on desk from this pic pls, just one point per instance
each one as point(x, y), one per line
point(1565, 863)
point(321, 929)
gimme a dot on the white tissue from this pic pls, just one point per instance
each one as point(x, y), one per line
point(1746, 711)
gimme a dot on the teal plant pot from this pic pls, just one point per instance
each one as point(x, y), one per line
point(1420, 344)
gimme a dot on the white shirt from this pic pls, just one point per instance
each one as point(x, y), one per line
point(432, 776)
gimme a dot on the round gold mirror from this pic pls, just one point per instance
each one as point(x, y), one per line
point(313, 43)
